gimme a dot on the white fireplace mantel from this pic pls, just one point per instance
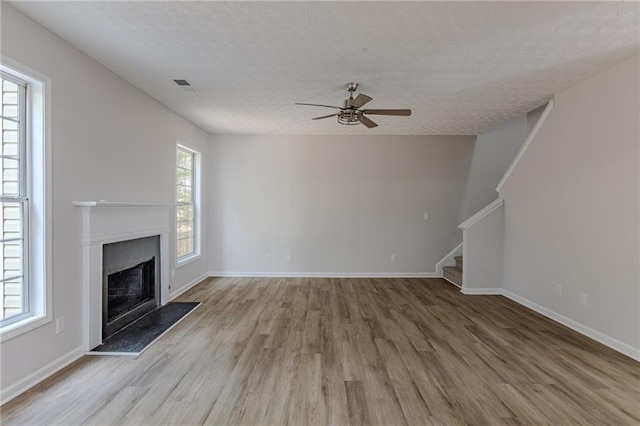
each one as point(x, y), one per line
point(105, 222)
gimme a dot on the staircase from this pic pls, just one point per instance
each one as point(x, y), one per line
point(453, 274)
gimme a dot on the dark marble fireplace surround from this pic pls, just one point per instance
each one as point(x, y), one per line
point(131, 272)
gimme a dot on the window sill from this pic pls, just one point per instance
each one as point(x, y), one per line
point(23, 326)
point(187, 260)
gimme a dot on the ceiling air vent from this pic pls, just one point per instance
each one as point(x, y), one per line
point(185, 85)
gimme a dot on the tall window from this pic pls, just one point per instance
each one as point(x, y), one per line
point(14, 291)
point(25, 243)
point(187, 239)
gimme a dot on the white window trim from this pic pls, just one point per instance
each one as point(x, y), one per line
point(40, 244)
point(179, 262)
point(23, 192)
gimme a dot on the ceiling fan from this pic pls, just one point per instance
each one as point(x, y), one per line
point(352, 113)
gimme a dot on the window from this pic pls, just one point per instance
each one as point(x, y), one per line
point(14, 209)
point(187, 197)
point(25, 289)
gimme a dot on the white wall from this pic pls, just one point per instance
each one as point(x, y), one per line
point(109, 141)
point(572, 208)
point(483, 253)
point(492, 155)
point(338, 204)
point(533, 117)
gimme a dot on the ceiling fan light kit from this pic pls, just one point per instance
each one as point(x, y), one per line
point(348, 118)
point(351, 113)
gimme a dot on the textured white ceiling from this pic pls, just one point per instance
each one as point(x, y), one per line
point(463, 67)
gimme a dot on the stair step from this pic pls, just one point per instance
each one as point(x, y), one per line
point(453, 274)
point(458, 260)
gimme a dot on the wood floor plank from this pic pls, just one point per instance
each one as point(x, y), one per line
point(443, 409)
point(357, 404)
point(329, 351)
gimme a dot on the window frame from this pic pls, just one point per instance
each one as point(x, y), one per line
point(21, 198)
point(37, 239)
point(196, 193)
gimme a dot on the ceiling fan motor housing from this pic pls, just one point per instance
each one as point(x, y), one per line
point(348, 117)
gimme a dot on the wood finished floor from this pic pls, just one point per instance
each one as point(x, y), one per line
point(299, 351)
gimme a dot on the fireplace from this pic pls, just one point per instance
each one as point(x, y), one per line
point(106, 224)
point(130, 269)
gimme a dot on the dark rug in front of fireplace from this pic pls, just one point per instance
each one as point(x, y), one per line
point(134, 338)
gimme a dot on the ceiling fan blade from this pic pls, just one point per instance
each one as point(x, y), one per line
point(404, 112)
point(326, 106)
point(367, 122)
point(324, 116)
point(360, 100)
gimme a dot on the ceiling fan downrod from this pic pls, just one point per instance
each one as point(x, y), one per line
point(348, 103)
point(349, 114)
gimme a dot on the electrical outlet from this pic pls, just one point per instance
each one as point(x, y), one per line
point(426, 216)
point(267, 258)
point(289, 258)
point(558, 289)
point(394, 258)
point(61, 323)
point(584, 299)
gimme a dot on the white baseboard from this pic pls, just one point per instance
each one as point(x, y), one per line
point(39, 375)
point(451, 282)
point(599, 337)
point(481, 291)
point(615, 344)
point(53, 367)
point(449, 260)
point(190, 284)
point(324, 274)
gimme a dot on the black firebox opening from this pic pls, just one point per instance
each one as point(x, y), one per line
point(130, 288)
point(130, 294)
